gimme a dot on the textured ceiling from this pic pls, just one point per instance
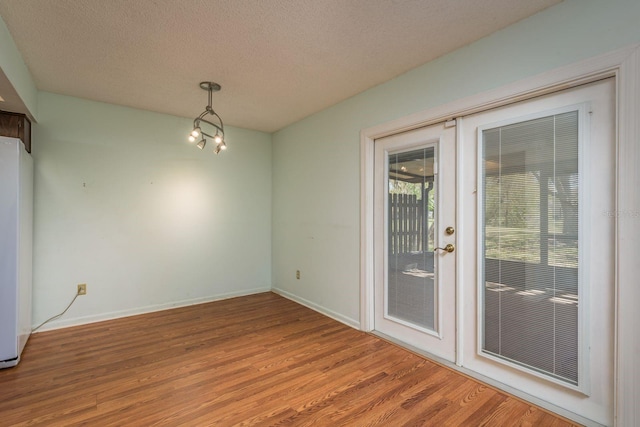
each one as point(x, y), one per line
point(277, 60)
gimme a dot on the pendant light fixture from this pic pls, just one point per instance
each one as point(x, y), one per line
point(209, 124)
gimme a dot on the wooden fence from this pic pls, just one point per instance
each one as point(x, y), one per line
point(408, 225)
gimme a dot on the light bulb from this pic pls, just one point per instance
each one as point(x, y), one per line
point(223, 146)
point(217, 139)
point(192, 138)
point(195, 132)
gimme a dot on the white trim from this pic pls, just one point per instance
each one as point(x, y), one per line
point(320, 309)
point(459, 246)
point(437, 236)
point(143, 310)
point(367, 178)
point(624, 64)
point(627, 339)
point(415, 327)
point(585, 178)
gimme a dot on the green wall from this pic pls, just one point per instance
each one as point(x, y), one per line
point(316, 162)
point(15, 70)
point(125, 204)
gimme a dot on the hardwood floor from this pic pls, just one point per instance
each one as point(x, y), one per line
point(255, 360)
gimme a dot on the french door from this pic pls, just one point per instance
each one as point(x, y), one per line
point(532, 309)
point(538, 312)
point(415, 250)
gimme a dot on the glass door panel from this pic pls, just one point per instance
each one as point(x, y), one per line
point(414, 282)
point(411, 278)
point(530, 211)
point(537, 253)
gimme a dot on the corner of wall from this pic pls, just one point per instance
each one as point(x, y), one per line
point(17, 84)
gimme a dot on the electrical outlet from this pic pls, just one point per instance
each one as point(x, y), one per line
point(82, 289)
point(298, 274)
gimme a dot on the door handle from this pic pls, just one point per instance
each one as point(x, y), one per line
point(448, 248)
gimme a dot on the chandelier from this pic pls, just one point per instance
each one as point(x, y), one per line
point(209, 124)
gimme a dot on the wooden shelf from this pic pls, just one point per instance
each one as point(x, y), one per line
point(16, 125)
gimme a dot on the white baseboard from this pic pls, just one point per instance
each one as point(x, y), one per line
point(315, 307)
point(66, 323)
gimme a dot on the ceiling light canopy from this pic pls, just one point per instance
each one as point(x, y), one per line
point(211, 124)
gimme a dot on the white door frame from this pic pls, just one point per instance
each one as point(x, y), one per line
point(624, 65)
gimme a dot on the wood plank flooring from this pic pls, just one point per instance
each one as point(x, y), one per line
point(255, 360)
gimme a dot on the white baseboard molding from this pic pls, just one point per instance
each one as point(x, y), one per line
point(315, 307)
point(66, 323)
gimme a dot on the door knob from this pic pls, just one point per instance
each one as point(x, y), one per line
point(449, 230)
point(448, 248)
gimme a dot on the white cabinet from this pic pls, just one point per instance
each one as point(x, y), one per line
point(16, 237)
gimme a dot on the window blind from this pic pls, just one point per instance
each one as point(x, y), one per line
point(530, 244)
